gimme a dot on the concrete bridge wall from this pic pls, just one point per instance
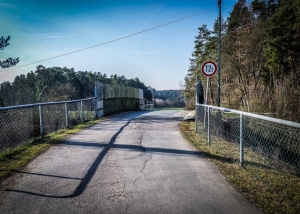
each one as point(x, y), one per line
point(116, 98)
point(114, 105)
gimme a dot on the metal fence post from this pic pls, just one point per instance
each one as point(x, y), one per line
point(208, 130)
point(67, 116)
point(241, 141)
point(196, 118)
point(95, 100)
point(82, 113)
point(41, 121)
point(204, 125)
point(95, 107)
point(196, 102)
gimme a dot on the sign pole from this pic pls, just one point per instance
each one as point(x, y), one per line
point(219, 53)
point(206, 95)
point(208, 69)
point(206, 101)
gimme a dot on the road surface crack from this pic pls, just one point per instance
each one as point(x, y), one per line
point(142, 171)
point(127, 206)
point(136, 180)
point(140, 142)
point(143, 174)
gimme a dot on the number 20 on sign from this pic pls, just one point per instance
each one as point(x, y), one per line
point(209, 68)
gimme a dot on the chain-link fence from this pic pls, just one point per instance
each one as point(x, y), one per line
point(250, 138)
point(267, 148)
point(19, 124)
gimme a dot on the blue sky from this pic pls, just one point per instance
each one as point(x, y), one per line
point(41, 29)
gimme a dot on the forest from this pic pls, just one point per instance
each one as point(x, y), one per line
point(59, 84)
point(260, 59)
point(168, 98)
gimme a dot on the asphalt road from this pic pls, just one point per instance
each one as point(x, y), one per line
point(131, 163)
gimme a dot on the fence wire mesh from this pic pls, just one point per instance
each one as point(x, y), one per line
point(267, 148)
point(19, 124)
point(120, 91)
point(264, 143)
point(53, 118)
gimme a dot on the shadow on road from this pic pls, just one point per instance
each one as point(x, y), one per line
point(93, 168)
point(88, 176)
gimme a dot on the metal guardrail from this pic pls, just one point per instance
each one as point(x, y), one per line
point(19, 124)
point(146, 105)
point(250, 138)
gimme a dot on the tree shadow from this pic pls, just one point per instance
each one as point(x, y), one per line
point(94, 166)
point(88, 176)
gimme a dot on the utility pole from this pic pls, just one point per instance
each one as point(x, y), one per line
point(219, 54)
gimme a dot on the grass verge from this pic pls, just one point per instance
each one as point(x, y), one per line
point(18, 157)
point(270, 190)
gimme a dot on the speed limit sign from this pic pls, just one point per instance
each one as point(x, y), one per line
point(209, 68)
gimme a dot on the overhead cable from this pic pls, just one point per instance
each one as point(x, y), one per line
point(121, 38)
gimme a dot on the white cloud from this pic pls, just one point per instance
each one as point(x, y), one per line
point(48, 36)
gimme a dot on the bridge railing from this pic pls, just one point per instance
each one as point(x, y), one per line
point(250, 139)
point(19, 124)
point(146, 105)
point(119, 91)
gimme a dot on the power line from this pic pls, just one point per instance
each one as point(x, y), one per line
point(111, 41)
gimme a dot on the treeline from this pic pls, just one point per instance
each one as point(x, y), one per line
point(168, 98)
point(260, 60)
point(58, 84)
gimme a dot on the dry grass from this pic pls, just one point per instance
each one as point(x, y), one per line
point(270, 190)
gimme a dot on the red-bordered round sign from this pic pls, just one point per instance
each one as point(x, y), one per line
point(209, 68)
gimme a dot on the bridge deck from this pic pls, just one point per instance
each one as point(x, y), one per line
point(131, 163)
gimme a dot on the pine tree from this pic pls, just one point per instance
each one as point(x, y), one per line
point(283, 44)
point(9, 62)
point(199, 56)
